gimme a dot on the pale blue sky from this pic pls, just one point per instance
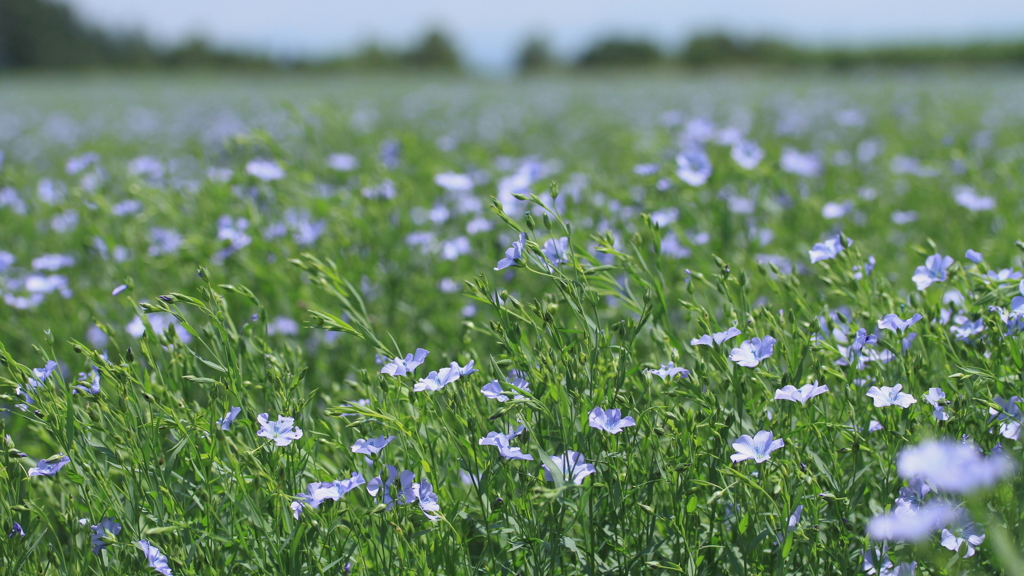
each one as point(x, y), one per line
point(490, 32)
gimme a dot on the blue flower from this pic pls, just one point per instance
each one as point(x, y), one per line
point(282, 432)
point(669, 371)
point(404, 494)
point(437, 380)
point(890, 396)
point(225, 422)
point(39, 376)
point(973, 256)
point(401, 367)
point(649, 169)
point(747, 154)
point(860, 272)
point(1017, 303)
point(875, 560)
point(936, 397)
point(494, 391)
point(894, 323)
point(390, 153)
point(443, 377)
point(454, 248)
point(50, 466)
point(156, 560)
point(454, 182)
point(834, 210)
point(342, 162)
point(906, 525)
point(794, 518)
point(265, 170)
point(303, 499)
point(828, 249)
point(52, 262)
point(671, 247)
point(862, 339)
point(1009, 415)
point(147, 167)
point(557, 251)
point(428, 500)
point(1004, 275)
point(321, 491)
point(371, 446)
point(952, 466)
point(716, 338)
point(962, 530)
point(6, 258)
point(232, 230)
point(514, 254)
point(966, 329)
point(759, 448)
point(502, 443)
point(694, 166)
point(801, 395)
point(80, 163)
point(164, 241)
point(934, 270)
point(16, 530)
point(753, 351)
point(908, 341)
point(793, 161)
point(571, 466)
point(92, 379)
point(610, 420)
point(974, 202)
point(99, 533)
point(318, 492)
point(912, 495)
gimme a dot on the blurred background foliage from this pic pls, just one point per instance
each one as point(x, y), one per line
point(42, 34)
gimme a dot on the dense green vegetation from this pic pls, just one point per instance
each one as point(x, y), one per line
point(172, 250)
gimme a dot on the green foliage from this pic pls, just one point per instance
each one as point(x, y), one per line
point(665, 496)
point(719, 49)
point(620, 52)
point(534, 56)
point(36, 33)
point(722, 49)
point(434, 52)
point(42, 34)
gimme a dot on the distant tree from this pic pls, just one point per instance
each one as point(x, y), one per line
point(619, 52)
point(197, 53)
point(719, 49)
point(38, 33)
point(45, 34)
point(373, 57)
point(534, 56)
point(766, 51)
point(435, 51)
point(130, 51)
point(711, 49)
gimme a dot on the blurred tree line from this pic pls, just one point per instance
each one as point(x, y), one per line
point(46, 34)
point(722, 50)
